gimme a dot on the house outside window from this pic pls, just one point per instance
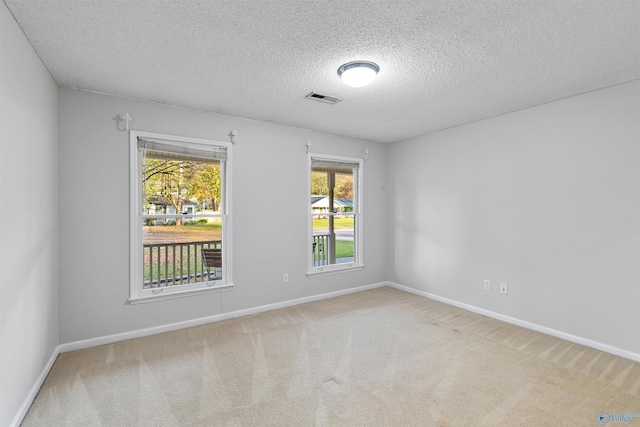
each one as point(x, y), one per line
point(180, 216)
point(335, 214)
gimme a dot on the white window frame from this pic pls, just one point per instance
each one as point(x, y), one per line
point(137, 293)
point(358, 262)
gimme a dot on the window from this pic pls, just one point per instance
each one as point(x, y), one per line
point(335, 222)
point(180, 221)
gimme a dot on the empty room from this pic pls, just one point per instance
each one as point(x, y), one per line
point(319, 213)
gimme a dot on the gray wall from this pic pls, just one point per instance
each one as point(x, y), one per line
point(28, 217)
point(545, 199)
point(270, 214)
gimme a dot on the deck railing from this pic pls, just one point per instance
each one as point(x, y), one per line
point(168, 264)
point(320, 249)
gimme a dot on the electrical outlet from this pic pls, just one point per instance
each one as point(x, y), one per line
point(504, 289)
point(285, 278)
point(487, 285)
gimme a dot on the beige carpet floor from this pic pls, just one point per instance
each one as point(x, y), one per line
point(376, 358)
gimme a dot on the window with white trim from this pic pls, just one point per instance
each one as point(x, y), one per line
point(335, 218)
point(180, 216)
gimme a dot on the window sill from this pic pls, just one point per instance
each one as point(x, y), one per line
point(179, 294)
point(333, 269)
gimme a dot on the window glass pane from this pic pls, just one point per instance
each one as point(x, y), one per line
point(345, 233)
point(180, 187)
point(324, 253)
point(320, 245)
point(179, 251)
point(333, 213)
point(342, 190)
point(319, 188)
point(343, 193)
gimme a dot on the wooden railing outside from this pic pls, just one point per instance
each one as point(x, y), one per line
point(177, 263)
point(320, 249)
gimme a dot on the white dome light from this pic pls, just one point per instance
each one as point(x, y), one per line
point(358, 73)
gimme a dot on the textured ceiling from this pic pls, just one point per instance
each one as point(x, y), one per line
point(443, 63)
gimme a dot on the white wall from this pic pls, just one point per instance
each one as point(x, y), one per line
point(545, 199)
point(28, 217)
point(270, 213)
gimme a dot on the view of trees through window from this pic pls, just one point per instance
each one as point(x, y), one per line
point(175, 190)
point(181, 183)
point(343, 188)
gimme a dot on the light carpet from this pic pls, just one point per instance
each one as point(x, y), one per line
point(376, 358)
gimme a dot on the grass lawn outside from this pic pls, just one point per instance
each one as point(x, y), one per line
point(344, 248)
point(189, 232)
point(323, 223)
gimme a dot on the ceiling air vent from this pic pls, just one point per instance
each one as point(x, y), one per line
point(324, 98)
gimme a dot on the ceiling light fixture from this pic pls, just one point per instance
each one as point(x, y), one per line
point(358, 73)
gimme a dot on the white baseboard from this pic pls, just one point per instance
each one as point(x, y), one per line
point(523, 323)
point(26, 404)
point(109, 339)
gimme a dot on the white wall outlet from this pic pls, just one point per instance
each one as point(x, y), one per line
point(504, 289)
point(487, 285)
point(285, 278)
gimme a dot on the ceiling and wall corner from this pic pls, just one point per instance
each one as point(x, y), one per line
point(442, 64)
